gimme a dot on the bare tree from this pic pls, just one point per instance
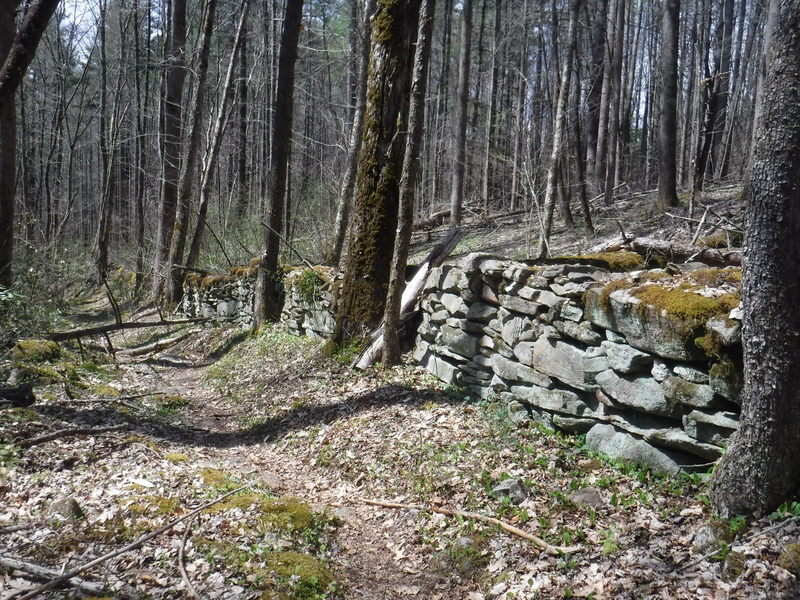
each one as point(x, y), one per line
point(667, 128)
point(268, 304)
point(460, 144)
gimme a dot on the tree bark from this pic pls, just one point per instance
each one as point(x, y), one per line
point(16, 53)
point(268, 282)
point(558, 133)
point(174, 278)
point(416, 118)
point(366, 276)
point(354, 146)
point(460, 145)
point(667, 127)
point(762, 466)
point(171, 145)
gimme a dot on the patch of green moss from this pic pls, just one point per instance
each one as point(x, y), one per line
point(610, 288)
point(722, 369)
point(176, 457)
point(310, 577)
point(272, 513)
point(104, 391)
point(712, 277)
point(15, 415)
point(613, 261)
point(685, 305)
point(216, 478)
point(733, 566)
point(154, 505)
point(35, 350)
point(308, 285)
point(790, 558)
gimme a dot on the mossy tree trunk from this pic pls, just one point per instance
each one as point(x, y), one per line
point(268, 281)
point(366, 274)
point(761, 468)
point(416, 117)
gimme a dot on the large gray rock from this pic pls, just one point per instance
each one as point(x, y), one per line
point(645, 327)
point(454, 304)
point(690, 374)
point(573, 424)
point(726, 380)
point(727, 331)
point(581, 331)
point(562, 401)
point(482, 312)
point(624, 446)
point(439, 367)
point(453, 280)
point(459, 341)
point(513, 489)
point(511, 370)
point(518, 413)
point(560, 360)
point(712, 427)
point(642, 393)
point(626, 359)
point(677, 389)
point(514, 328)
point(517, 304)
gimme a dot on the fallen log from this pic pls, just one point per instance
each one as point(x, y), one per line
point(60, 336)
point(410, 294)
point(60, 433)
point(433, 220)
point(676, 253)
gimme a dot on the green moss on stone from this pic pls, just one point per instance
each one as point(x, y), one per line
point(613, 261)
point(35, 350)
point(686, 305)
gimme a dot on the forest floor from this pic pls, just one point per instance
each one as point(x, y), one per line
point(314, 442)
point(288, 451)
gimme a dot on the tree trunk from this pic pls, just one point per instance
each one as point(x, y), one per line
point(460, 146)
point(354, 147)
point(558, 133)
point(174, 278)
point(416, 118)
point(215, 142)
point(171, 144)
point(612, 152)
point(366, 274)
point(16, 53)
point(491, 117)
point(667, 126)
point(761, 468)
point(267, 294)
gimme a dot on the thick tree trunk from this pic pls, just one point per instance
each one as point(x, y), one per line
point(491, 116)
point(612, 151)
point(8, 152)
point(267, 300)
point(460, 145)
point(16, 53)
point(416, 118)
point(366, 275)
point(667, 126)
point(171, 144)
point(761, 468)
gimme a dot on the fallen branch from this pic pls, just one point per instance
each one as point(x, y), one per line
point(59, 336)
point(479, 517)
point(41, 572)
point(132, 546)
point(18, 527)
point(69, 432)
point(682, 253)
point(181, 564)
point(157, 346)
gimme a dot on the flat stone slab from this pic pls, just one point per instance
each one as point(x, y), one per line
point(642, 393)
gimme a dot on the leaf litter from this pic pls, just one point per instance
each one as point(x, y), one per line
point(314, 439)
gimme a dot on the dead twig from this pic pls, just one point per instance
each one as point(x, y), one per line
point(181, 564)
point(479, 517)
point(41, 572)
point(18, 527)
point(132, 546)
point(69, 432)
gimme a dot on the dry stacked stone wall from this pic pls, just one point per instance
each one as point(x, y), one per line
point(646, 364)
point(307, 308)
